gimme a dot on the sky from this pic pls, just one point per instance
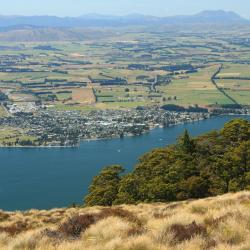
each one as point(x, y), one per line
point(120, 7)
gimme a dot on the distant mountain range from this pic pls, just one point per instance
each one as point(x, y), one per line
point(95, 20)
point(94, 26)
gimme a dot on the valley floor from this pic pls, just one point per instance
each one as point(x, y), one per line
point(221, 222)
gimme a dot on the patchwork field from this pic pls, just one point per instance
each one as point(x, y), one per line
point(150, 67)
point(235, 70)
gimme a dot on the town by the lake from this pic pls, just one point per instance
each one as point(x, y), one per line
point(44, 127)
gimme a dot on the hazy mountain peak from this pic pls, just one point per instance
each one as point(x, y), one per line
point(96, 16)
point(90, 20)
point(220, 15)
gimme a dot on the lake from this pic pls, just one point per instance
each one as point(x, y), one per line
point(45, 178)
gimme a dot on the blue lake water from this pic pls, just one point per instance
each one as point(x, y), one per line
point(56, 177)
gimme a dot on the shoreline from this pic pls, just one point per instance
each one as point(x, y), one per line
point(125, 136)
point(108, 138)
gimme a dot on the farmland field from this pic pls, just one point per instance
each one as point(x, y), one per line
point(130, 69)
point(3, 112)
point(83, 96)
point(10, 135)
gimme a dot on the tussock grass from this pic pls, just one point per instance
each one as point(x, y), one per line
point(218, 223)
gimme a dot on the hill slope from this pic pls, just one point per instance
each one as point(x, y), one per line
point(221, 222)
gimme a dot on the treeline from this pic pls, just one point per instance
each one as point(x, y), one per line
point(229, 109)
point(16, 70)
point(112, 81)
point(212, 164)
point(46, 47)
point(55, 83)
point(177, 108)
point(184, 67)
point(213, 80)
point(231, 78)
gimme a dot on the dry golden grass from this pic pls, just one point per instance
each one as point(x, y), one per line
point(219, 223)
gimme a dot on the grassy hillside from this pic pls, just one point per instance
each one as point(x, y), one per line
point(221, 222)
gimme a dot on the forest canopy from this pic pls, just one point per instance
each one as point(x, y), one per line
point(211, 164)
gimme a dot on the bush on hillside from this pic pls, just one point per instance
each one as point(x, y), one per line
point(212, 164)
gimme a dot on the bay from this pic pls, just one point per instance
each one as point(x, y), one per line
point(44, 178)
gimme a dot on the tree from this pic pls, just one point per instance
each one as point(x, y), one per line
point(128, 192)
point(160, 190)
point(235, 132)
point(104, 187)
point(194, 187)
point(187, 144)
point(240, 160)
